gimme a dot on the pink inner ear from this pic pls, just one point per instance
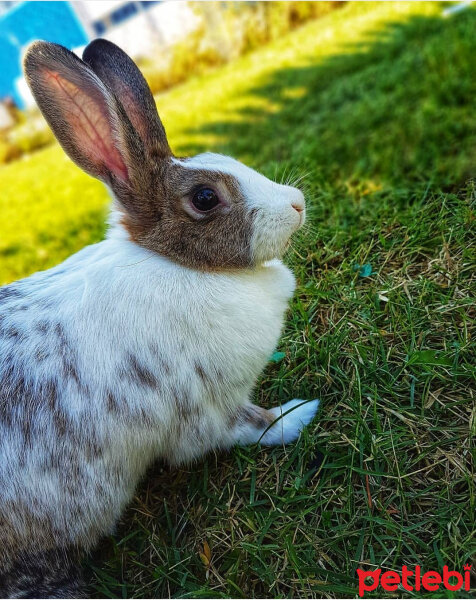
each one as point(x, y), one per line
point(90, 124)
point(129, 103)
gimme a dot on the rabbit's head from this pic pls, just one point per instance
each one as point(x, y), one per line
point(207, 212)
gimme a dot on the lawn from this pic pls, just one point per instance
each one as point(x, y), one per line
point(373, 109)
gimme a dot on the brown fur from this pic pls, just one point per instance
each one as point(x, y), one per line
point(255, 415)
point(159, 222)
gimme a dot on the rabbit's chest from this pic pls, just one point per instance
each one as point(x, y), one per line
point(242, 321)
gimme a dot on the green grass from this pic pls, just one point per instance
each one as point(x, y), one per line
point(375, 106)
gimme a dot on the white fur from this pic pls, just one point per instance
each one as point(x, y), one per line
point(291, 418)
point(116, 299)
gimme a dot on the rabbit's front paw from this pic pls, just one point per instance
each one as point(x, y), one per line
point(292, 418)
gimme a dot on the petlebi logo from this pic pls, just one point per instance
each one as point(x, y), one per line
point(415, 580)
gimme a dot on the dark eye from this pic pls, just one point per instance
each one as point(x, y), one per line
point(205, 199)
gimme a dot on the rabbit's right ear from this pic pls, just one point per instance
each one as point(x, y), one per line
point(84, 116)
point(122, 76)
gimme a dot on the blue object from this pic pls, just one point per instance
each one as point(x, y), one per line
point(364, 270)
point(277, 357)
point(28, 21)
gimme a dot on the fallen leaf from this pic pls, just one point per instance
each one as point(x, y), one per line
point(206, 554)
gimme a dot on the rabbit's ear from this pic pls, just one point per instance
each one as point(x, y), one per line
point(82, 113)
point(121, 75)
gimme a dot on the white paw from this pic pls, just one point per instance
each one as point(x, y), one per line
point(290, 425)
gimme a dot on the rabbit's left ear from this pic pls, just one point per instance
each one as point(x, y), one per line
point(122, 77)
point(83, 114)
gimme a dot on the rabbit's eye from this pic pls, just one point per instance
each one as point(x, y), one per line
point(205, 199)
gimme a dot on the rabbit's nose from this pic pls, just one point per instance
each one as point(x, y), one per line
point(297, 202)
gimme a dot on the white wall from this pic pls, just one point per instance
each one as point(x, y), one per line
point(162, 24)
point(96, 9)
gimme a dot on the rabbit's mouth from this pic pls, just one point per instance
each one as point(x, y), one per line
point(302, 219)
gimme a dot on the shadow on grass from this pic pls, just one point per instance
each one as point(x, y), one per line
point(398, 108)
point(387, 121)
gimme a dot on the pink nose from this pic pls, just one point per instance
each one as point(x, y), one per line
point(298, 207)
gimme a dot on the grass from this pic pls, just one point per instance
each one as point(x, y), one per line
point(374, 106)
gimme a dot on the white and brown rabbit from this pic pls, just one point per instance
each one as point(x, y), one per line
point(145, 345)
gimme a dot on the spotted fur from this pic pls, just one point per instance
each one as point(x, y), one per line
point(145, 345)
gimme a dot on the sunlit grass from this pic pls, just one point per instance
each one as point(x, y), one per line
point(49, 209)
point(373, 107)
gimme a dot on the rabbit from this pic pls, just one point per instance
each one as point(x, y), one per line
point(146, 345)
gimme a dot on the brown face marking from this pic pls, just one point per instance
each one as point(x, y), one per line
point(156, 217)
